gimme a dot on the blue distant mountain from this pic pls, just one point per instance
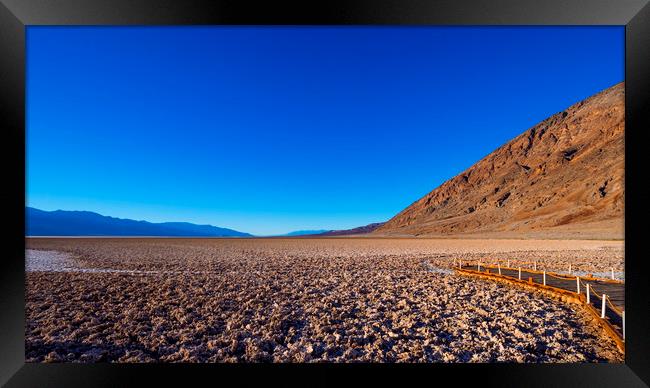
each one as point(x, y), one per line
point(305, 232)
point(83, 223)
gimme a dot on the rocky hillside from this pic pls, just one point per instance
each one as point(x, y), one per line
point(563, 177)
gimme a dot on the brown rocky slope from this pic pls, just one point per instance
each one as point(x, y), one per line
point(564, 177)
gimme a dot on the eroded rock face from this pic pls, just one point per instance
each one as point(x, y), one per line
point(566, 174)
point(299, 300)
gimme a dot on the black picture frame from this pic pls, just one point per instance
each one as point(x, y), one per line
point(16, 15)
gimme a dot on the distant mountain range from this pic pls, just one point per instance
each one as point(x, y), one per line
point(84, 223)
point(359, 230)
point(304, 232)
point(342, 232)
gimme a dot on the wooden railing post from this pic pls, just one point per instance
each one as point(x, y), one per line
point(499, 268)
point(578, 283)
point(569, 268)
point(519, 273)
point(535, 265)
point(508, 263)
point(544, 277)
point(602, 310)
point(588, 295)
point(613, 274)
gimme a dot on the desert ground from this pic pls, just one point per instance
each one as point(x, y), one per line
point(303, 300)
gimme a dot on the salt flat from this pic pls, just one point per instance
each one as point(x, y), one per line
point(304, 300)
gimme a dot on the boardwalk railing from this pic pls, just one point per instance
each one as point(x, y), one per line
point(603, 298)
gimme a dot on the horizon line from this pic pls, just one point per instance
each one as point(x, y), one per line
point(252, 235)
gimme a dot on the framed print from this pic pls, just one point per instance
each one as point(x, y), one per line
point(266, 191)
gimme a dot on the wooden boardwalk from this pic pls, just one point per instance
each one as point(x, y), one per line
point(567, 285)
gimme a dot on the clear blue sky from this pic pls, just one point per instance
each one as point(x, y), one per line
point(268, 130)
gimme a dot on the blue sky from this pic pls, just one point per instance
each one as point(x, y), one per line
point(272, 129)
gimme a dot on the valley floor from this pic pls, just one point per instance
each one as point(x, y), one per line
point(302, 300)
